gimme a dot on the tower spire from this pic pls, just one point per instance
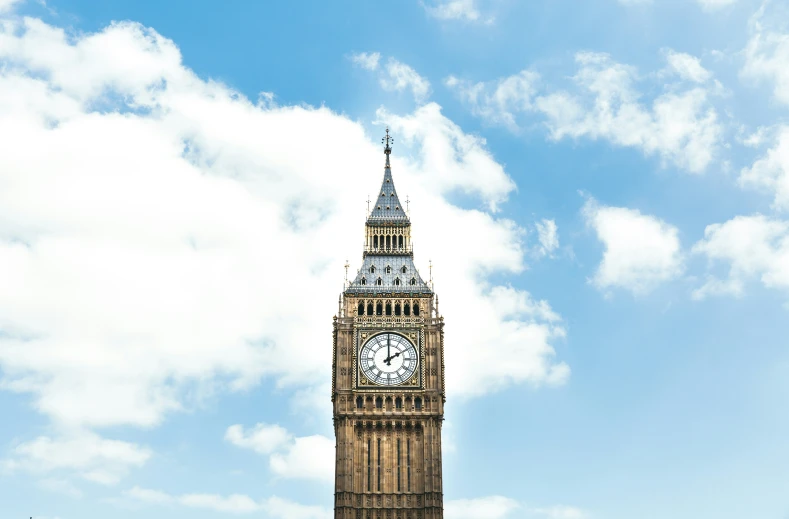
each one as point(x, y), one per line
point(387, 208)
point(387, 142)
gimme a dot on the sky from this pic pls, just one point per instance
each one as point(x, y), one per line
point(601, 188)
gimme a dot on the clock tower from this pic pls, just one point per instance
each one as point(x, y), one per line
point(388, 376)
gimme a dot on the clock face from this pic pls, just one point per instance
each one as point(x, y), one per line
point(388, 359)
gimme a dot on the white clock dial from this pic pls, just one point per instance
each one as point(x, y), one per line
point(388, 359)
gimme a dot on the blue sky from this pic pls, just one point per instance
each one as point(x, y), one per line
point(602, 188)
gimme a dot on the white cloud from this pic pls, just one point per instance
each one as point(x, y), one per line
point(367, 60)
point(752, 247)
point(687, 67)
point(7, 5)
point(61, 486)
point(307, 457)
point(500, 101)
point(499, 507)
point(771, 172)
point(160, 251)
point(395, 76)
point(263, 438)
point(400, 76)
point(491, 507)
point(641, 251)
point(457, 10)
point(274, 507)
point(680, 126)
point(709, 5)
point(767, 55)
point(455, 160)
point(92, 457)
point(548, 235)
point(715, 4)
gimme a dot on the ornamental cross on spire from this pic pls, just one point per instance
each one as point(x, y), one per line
point(387, 141)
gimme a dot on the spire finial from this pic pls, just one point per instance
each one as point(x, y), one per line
point(387, 142)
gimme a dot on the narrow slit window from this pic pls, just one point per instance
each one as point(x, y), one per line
point(400, 241)
point(398, 403)
point(416, 309)
point(418, 403)
point(369, 465)
point(407, 309)
point(407, 463)
point(361, 307)
point(379, 402)
point(359, 402)
point(370, 308)
point(379, 309)
point(388, 308)
point(397, 309)
point(375, 241)
point(398, 465)
point(388, 242)
point(379, 464)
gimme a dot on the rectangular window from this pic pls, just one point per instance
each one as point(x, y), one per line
point(398, 464)
point(369, 466)
point(379, 464)
point(408, 462)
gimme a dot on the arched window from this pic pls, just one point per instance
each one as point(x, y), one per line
point(379, 309)
point(398, 403)
point(418, 403)
point(397, 281)
point(363, 281)
point(408, 402)
point(379, 403)
point(370, 308)
point(416, 309)
point(379, 282)
point(361, 307)
point(359, 402)
point(397, 308)
point(375, 241)
point(407, 309)
point(372, 269)
point(400, 241)
point(388, 308)
point(413, 281)
point(388, 242)
point(403, 269)
point(388, 403)
point(388, 269)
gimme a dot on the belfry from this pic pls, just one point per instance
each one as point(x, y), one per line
point(388, 376)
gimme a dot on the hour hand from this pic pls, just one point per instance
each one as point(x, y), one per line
point(388, 359)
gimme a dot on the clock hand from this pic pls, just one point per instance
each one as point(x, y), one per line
point(388, 359)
